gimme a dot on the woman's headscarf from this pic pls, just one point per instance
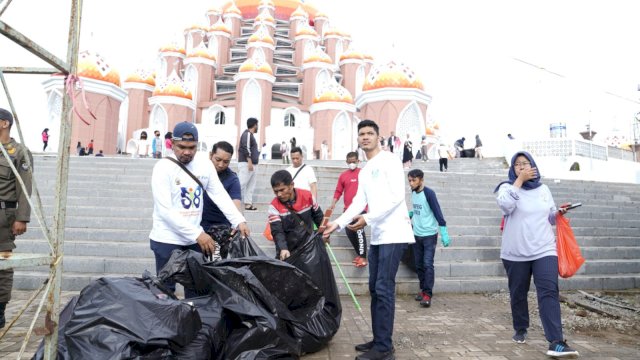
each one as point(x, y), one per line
point(529, 184)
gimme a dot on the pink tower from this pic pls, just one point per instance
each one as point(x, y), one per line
point(332, 117)
point(298, 18)
point(233, 18)
point(220, 44)
point(139, 87)
point(353, 71)
point(305, 42)
point(171, 103)
point(254, 84)
point(317, 70)
point(200, 67)
point(261, 41)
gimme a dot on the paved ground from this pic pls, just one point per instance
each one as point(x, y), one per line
point(457, 326)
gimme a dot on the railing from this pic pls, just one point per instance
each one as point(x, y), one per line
point(567, 147)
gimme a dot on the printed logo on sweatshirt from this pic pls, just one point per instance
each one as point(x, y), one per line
point(190, 197)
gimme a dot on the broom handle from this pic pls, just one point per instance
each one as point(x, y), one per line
point(344, 278)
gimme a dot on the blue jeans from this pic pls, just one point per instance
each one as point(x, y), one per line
point(424, 251)
point(545, 277)
point(383, 266)
point(162, 252)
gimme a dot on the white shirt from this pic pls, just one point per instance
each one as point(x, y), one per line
point(178, 200)
point(305, 178)
point(381, 186)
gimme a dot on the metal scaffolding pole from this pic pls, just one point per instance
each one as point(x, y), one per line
point(51, 296)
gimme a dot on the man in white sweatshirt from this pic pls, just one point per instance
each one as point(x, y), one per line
point(382, 188)
point(178, 200)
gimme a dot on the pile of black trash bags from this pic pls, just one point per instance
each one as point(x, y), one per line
point(249, 306)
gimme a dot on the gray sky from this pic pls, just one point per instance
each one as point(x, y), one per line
point(463, 50)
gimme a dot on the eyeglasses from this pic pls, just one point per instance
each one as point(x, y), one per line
point(524, 163)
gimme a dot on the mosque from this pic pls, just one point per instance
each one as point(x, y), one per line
point(280, 61)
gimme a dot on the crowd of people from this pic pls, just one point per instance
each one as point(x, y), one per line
point(192, 195)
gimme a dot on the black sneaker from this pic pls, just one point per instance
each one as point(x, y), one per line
point(560, 349)
point(426, 300)
point(418, 296)
point(364, 347)
point(520, 337)
point(373, 354)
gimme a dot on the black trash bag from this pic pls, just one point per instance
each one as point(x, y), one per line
point(210, 340)
point(128, 318)
point(65, 315)
point(312, 258)
point(221, 234)
point(243, 247)
point(408, 258)
point(185, 267)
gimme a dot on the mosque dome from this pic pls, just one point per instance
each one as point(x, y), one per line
point(173, 47)
point(391, 75)
point(220, 26)
point(196, 28)
point(265, 16)
point(249, 9)
point(142, 76)
point(172, 86)
point(201, 51)
point(214, 11)
point(254, 64)
point(299, 13)
point(333, 32)
point(261, 35)
point(306, 30)
point(318, 55)
point(93, 66)
point(267, 3)
point(430, 131)
point(351, 54)
point(321, 15)
point(333, 92)
point(232, 9)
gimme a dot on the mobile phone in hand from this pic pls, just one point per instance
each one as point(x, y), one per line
point(572, 206)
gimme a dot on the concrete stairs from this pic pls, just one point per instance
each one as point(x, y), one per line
point(109, 209)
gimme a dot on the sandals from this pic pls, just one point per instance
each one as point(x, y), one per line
point(250, 208)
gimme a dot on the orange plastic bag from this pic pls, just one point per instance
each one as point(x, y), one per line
point(569, 257)
point(267, 232)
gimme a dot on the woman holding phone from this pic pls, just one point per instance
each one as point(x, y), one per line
point(529, 248)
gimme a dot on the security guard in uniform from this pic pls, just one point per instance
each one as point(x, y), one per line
point(14, 208)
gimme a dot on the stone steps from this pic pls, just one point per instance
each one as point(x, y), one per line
point(109, 211)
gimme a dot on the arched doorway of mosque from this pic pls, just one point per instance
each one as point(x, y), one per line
point(159, 120)
point(342, 136)
point(411, 122)
point(53, 120)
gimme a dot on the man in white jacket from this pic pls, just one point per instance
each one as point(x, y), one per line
point(178, 200)
point(382, 188)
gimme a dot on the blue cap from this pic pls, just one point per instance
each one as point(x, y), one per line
point(6, 115)
point(183, 129)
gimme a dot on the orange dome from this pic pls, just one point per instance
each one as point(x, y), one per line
point(232, 9)
point(173, 47)
point(172, 86)
point(351, 54)
point(333, 32)
point(333, 92)
point(267, 3)
point(430, 131)
point(283, 8)
point(265, 15)
point(391, 75)
point(254, 64)
point(92, 66)
point(214, 11)
point(220, 26)
point(436, 126)
point(320, 14)
point(367, 57)
point(318, 56)
point(299, 13)
point(142, 76)
point(201, 51)
point(261, 35)
point(196, 27)
point(306, 30)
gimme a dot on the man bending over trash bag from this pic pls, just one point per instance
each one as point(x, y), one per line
point(292, 214)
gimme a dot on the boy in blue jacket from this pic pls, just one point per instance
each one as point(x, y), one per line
point(426, 217)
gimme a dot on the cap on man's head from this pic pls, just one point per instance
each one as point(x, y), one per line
point(185, 128)
point(6, 115)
